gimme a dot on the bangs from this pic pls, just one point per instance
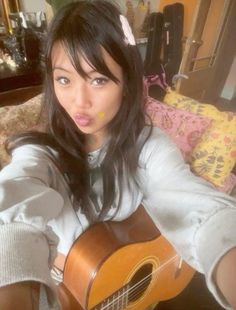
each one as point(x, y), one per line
point(89, 46)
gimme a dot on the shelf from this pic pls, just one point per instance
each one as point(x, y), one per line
point(13, 78)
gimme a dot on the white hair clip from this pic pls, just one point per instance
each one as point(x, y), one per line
point(129, 37)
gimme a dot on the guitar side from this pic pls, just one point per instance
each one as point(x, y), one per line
point(108, 263)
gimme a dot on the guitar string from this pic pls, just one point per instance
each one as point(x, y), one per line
point(137, 285)
point(130, 296)
point(134, 287)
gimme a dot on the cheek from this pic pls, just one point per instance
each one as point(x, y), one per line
point(118, 101)
point(110, 109)
point(61, 97)
point(107, 103)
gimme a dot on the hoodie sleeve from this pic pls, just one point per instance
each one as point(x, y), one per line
point(28, 201)
point(196, 218)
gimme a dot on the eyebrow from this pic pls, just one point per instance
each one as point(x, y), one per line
point(60, 68)
point(63, 69)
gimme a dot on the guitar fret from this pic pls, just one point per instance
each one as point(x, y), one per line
point(122, 299)
point(126, 296)
point(113, 302)
point(117, 301)
point(103, 305)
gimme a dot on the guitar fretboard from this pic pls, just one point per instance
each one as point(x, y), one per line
point(117, 301)
point(129, 292)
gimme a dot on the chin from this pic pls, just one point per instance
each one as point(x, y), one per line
point(87, 130)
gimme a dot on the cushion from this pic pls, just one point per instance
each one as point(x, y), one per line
point(214, 156)
point(185, 128)
point(229, 184)
point(20, 117)
point(4, 158)
point(17, 119)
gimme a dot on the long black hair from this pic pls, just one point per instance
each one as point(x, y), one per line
point(86, 26)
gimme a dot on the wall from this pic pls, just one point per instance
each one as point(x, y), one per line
point(154, 4)
point(32, 5)
point(229, 90)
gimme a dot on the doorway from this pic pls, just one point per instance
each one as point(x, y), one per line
point(209, 50)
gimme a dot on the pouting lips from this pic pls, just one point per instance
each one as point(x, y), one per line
point(82, 120)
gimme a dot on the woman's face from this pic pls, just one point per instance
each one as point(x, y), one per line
point(90, 102)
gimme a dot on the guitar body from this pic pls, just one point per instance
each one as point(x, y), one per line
point(122, 265)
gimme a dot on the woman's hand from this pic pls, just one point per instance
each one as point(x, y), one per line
point(23, 295)
point(225, 276)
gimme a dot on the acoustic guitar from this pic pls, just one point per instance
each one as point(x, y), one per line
point(122, 265)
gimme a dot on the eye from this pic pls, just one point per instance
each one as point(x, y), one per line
point(62, 80)
point(99, 81)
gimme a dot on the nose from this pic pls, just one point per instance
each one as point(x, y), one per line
point(81, 96)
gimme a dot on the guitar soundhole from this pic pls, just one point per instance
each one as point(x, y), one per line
point(140, 282)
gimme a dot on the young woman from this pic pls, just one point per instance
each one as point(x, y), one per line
point(99, 161)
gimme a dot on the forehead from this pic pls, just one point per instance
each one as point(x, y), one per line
point(60, 58)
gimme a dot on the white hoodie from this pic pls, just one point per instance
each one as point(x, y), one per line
point(37, 218)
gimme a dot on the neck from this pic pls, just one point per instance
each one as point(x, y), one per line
point(94, 142)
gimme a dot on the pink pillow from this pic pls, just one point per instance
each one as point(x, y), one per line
point(185, 128)
point(229, 184)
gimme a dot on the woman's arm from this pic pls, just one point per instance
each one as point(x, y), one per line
point(225, 276)
point(23, 295)
point(28, 245)
point(198, 220)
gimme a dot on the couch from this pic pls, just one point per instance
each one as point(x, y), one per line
point(205, 135)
